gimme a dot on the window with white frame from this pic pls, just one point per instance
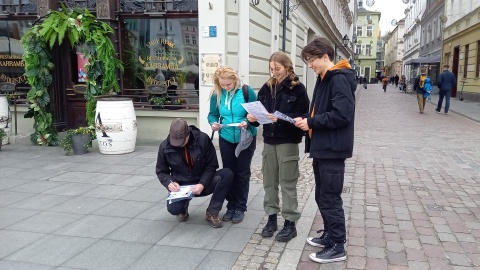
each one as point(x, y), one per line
point(359, 31)
point(368, 17)
point(368, 49)
point(369, 30)
point(358, 49)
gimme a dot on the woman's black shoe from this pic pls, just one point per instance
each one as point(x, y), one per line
point(288, 232)
point(271, 226)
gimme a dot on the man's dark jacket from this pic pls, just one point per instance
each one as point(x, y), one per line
point(291, 101)
point(172, 167)
point(334, 113)
point(446, 81)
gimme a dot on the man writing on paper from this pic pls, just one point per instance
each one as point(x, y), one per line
point(188, 157)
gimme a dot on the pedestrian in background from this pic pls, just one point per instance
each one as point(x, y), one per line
point(446, 80)
point(226, 108)
point(283, 92)
point(384, 84)
point(396, 79)
point(418, 86)
point(330, 127)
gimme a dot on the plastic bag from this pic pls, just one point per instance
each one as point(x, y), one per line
point(246, 139)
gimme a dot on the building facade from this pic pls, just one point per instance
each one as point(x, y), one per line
point(174, 46)
point(367, 32)
point(394, 50)
point(413, 14)
point(461, 45)
point(431, 38)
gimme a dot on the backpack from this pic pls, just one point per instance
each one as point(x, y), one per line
point(245, 92)
point(422, 81)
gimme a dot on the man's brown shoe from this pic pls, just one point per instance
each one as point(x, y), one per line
point(215, 221)
point(183, 217)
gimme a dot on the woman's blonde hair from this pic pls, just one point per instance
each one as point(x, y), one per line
point(283, 59)
point(224, 72)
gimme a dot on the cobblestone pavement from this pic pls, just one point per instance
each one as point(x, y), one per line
point(411, 192)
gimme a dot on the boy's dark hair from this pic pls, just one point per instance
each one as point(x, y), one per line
point(317, 48)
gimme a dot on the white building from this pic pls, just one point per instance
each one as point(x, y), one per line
point(248, 32)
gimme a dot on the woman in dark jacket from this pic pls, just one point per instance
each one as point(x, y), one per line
point(285, 94)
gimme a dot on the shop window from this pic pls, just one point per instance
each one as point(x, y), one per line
point(27, 6)
point(82, 4)
point(12, 67)
point(160, 56)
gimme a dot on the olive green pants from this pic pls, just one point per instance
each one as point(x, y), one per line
point(280, 169)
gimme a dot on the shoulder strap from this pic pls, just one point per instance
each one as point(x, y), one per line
point(245, 92)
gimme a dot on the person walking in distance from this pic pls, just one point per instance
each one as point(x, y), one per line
point(330, 126)
point(384, 84)
point(446, 80)
point(419, 87)
point(283, 92)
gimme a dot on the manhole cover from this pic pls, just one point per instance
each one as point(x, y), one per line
point(436, 207)
point(418, 188)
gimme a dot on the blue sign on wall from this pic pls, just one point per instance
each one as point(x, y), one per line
point(212, 31)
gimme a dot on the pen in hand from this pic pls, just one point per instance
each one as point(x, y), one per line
point(175, 187)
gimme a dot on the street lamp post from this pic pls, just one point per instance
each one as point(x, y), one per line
point(345, 41)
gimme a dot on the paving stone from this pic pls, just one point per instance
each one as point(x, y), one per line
point(412, 265)
point(108, 254)
point(376, 252)
point(446, 237)
point(354, 262)
point(52, 250)
point(458, 259)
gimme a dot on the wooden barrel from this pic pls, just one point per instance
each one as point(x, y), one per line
point(115, 126)
point(5, 120)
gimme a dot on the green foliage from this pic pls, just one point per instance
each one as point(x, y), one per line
point(101, 69)
point(158, 100)
point(3, 134)
point(66, 143)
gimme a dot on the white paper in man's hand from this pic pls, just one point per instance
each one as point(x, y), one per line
point(257, 109)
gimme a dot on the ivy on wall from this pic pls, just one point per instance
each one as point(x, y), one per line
point(77, 28)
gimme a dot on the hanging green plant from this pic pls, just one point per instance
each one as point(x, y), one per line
point(79, 28)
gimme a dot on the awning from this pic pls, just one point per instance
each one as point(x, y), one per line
point(424, 60)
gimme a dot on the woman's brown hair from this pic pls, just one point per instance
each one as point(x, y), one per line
point(283, 59)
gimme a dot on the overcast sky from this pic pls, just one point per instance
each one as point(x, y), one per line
point(391, 9)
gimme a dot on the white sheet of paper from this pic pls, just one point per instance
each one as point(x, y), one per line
point(183, 192)
point(257, 109)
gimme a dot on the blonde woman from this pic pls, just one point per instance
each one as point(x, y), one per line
point(226, 108)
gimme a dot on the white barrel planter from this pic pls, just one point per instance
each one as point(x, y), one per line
point(5, 118)
point(115, 126)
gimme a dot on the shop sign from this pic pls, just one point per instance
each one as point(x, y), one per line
point(210, 63)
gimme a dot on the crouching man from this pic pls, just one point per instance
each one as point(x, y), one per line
point(188, 157)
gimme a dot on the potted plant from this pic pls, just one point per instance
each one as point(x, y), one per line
point(159, 101)
point(174, 104)
point(79, 140)
point(3, 134)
